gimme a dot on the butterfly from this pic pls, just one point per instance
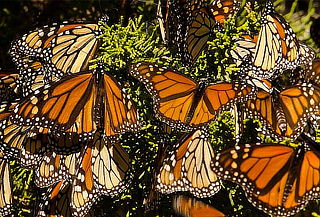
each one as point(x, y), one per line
point(99, 169)
point(277, 47)
point(57, 201)
point(277, 179)
point(28, 147)
point(181, 102)
point(284, 112)
point(187, 167)
point(79, 104)
point(190, 207)
point(5, 186)
point(189, 24)
point(64, 48)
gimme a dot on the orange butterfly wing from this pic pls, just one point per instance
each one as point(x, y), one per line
point(57, 108)
point(218, 97)
point(276, 178)
point(120, 113)
point(190, 207)
point(173, 92)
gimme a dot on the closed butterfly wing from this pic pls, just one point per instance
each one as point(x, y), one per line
point(187, 167)
point(84, 192)
point(54, 167)
point(201, 27)
point(63, 48)
point(190, 207)
point(277, 47)
point(8, 86)
point(244, 48)
point(57, 201)
point(14, 137)
point(110, 162)
point(5, 187)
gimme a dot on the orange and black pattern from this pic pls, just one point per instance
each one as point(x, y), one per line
point(183, 103)
point(79, 104)
point(277, 179)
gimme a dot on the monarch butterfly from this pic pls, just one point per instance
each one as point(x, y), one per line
point(191, 23)
point(190, 207)
point(64, 48)
point(187, 167)
point(183, 103)
point(22, 143)
point(277, 179)
point(104, 163)
point(204, 20)
point(5, 186)
point(277, 47)
point(99, 169)
point(12, 137)
point(312, 73)
point(285, 112)
point(245, 48)
point(79, 103)
point(57, 201)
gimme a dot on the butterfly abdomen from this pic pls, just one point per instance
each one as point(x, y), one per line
point(199, 92)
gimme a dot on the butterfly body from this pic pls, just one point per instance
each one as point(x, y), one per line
point(80, 103)
point(198, 92)
point(277, 179)
point(181, 102)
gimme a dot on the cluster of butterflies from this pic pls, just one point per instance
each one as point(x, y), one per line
point(63, 120)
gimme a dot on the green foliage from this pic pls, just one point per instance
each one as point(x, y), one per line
point(23, 191)
point(125, 43)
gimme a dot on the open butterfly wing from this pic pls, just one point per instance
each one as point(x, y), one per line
point(120, 115)
point(187, 167)
point(256, 168)
point(217, 98)
point(173, 92)
point(65, 106)
point(277, 179)
point(299, 103)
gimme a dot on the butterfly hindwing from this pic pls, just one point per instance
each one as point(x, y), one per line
point(187, 167)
